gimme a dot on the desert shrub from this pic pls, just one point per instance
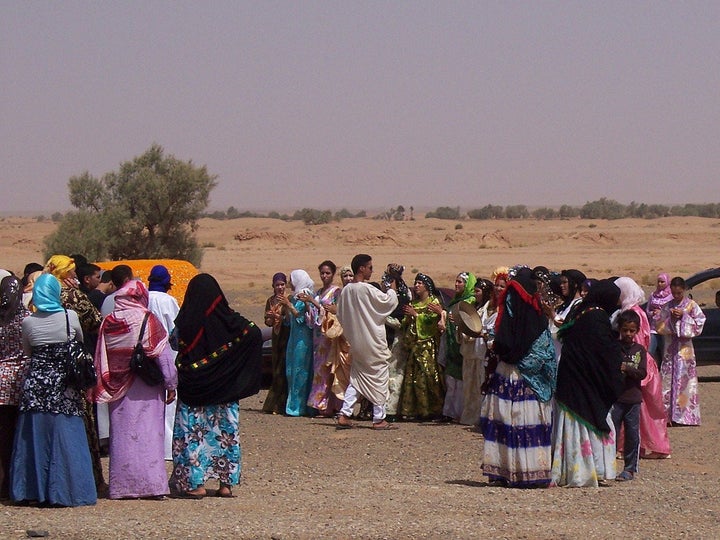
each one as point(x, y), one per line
point(517, 211)
point(603, 208)
point(311, 216)
point(445, 212)
point(487, 212)
point(567, 211)
point(544, 213)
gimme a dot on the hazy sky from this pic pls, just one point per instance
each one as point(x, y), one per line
point(367, 104)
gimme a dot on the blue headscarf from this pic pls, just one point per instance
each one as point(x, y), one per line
point(46, 294)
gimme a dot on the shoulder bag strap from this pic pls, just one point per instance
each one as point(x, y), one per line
point(67, 323)
point(142, 328)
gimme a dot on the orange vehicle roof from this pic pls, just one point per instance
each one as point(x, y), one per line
point(181, 272)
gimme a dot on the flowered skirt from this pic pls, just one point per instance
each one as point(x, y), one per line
point(581, 458)
point(206, 444)
point(517, 429)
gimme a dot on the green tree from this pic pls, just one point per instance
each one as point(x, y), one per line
point(444, 212)
point(487, 212)
point(147, 209)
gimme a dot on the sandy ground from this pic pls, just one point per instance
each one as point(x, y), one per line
point(304, 479)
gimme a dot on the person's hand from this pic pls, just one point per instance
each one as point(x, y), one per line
point(623, 367)
point(676, 313)
point(70, 282)
point(409, 310)
point(170, 396)
point(435, 308)
point(442, 326)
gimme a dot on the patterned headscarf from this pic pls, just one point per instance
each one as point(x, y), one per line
point(428, 282)
point(60, 266)
point(118, 335)
point(46, 294)
point(394, 272)
point(10, 299)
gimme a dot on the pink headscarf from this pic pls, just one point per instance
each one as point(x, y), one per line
point(118, 335)
point(661, 295)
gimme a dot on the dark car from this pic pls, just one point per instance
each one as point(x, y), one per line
point(707, 344)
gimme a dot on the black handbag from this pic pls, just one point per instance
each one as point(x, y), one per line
point(141, 364)
point(79, 365)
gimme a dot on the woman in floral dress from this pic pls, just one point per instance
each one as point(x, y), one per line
point(13, 364)
point(681, 319)
point(218, 363)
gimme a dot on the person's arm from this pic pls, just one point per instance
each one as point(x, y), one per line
point(26, 325)
point(75, 324)
point(636, 372)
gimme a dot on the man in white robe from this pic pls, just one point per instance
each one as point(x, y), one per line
point(362, 309)
point(166, 308)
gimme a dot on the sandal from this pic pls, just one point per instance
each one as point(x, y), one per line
point(188, 495)
point(384, 426)
point(343, 422)
point(225, 492)
point(624, 476)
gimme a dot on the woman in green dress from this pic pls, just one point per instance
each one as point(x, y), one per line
point(423, 389)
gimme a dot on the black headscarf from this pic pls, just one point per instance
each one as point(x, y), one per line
point(520, 319)
point(10, 299)
point(589, 379)
point(220, 350)
point(428, 282)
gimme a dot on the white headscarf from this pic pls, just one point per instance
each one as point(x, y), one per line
point(631, 294)
point(302, 282)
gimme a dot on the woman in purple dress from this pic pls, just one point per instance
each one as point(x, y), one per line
point(137, 410)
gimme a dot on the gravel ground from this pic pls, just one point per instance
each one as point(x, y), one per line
point(302, 478)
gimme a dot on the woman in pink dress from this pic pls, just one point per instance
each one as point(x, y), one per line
point(137, 410)
point(654, 441)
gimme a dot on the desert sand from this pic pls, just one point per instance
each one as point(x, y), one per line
point(304, 479)
point(243, 254)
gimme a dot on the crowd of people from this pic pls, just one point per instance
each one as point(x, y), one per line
point(557, 371)
point(206, 355)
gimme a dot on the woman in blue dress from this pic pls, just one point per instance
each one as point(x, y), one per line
point(299, 354)
point(51, 460)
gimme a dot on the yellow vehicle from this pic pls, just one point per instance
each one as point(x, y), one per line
point(181, 272)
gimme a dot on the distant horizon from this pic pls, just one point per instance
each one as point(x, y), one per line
point(417, 211)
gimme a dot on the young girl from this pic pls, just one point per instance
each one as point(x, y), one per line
point(680, 319)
